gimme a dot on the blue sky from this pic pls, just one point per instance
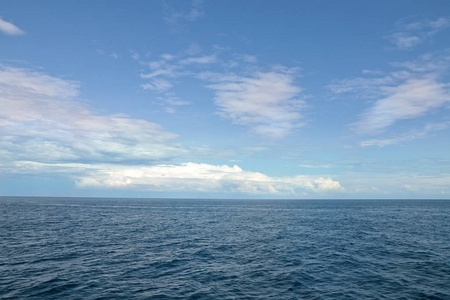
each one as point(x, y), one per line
point(228, 99)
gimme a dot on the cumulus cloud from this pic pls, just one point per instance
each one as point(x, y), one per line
point(204, 177)
point(189, 177)
point(408, 35)
point(42, 120)
point(267, 102)
point(9, 28)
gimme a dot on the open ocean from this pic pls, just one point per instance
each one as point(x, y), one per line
point(99, 248)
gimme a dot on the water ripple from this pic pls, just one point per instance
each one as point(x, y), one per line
point(196, 249)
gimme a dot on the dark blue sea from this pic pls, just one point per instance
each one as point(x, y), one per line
point(98, 248)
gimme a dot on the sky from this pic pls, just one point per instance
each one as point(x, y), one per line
point(225, 99)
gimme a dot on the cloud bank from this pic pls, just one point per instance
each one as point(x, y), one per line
point(193, 177)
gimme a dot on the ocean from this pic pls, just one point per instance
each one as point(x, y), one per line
point(99, 248)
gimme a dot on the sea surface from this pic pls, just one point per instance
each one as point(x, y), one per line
point(99, 248)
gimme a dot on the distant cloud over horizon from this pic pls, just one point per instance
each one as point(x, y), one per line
point(205, 178)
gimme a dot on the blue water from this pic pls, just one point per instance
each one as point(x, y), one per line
point(75, 248)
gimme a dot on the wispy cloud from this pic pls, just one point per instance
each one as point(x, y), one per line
point(196, 10)
point(175, 18)
point(10, 28)
point(408, 93)
point(411, 99)
point(408, 137)
point(316, 166)
point(158, 85)
point(267, 102)
point(385, 185)
point(164, 72)
point(42, 121)
point(103, 53)
point(409, 35)
point(207, 59)
point(170, 102)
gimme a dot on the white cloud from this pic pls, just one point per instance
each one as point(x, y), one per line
point(411, 99)
point(316, 166)
point(408, 35)
point(409, 137)
point(169, 102)
point(167, 56)
point(42, 121)
point(327, 184)
point(204, 177)
point(404, 41)
point(176, 19)
point(207, 59)
point(159, 85)
point(425, 64)
point(247, 58)
point(187, 177)
point(135, 55)
point(387, 184)
point(9, 28)
point(167, 71)
point(169, 67)
point(409, 93)
point(367, 87)
point(267, 102)
point(410, 187)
